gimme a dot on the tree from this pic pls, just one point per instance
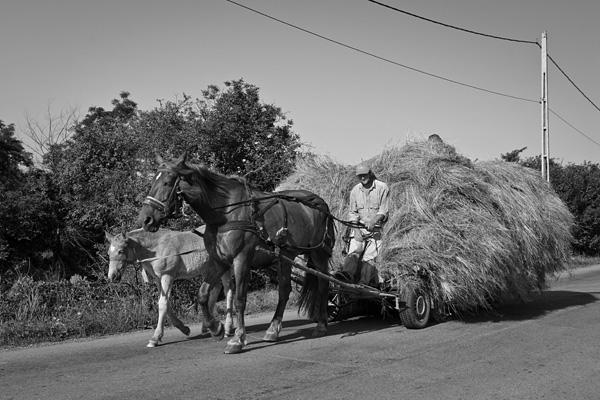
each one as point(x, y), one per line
point(579, 187)
point(513, 156)
point(95, 176)
point(29, 239)
point(248, 137)
point(53, 131)
point(12, 157)
point(27, 209)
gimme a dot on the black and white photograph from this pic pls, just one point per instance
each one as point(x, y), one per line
point(318, 199)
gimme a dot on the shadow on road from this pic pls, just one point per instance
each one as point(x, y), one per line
point(301, 329)
point(350, 327)
point(538, 306)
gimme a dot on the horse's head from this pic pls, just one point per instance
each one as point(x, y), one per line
point(163, 199)
point(117, 255)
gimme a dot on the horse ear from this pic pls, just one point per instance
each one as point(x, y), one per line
point(108, 236)
point(159, 159)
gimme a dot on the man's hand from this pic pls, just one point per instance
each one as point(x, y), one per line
point(372, 222)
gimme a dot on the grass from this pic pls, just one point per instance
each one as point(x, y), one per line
point(36, 311)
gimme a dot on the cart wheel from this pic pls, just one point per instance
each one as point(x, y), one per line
point(417, 313)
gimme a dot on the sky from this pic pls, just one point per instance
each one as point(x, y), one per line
point(61, 54)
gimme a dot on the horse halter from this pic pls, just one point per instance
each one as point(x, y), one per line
point(163, 206)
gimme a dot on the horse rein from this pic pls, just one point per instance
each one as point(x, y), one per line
point(162, 257)
point(136, 261)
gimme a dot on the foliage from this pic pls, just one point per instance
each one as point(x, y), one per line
point(28, 235)
point(27, 208)
point(97, 178)
point(513, 156)
point(36, 311)
point(12, 156)
point(248, 137)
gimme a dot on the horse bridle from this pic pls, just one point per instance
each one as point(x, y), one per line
point(161, 206)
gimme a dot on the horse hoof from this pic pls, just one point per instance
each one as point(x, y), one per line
point(317, 333)
point(233, 348)
point(271, 337)
point(186, 331)
point(152, 343)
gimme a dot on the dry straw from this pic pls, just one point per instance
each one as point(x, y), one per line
point(483, 232)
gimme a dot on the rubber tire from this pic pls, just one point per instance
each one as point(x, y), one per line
point(418, 313)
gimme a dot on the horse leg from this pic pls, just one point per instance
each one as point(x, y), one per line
point(284, 279)
point(320, 260)
point(226, 280)
point(164, 287)
point(172, 317)
point(240, 267)
point(213, 297)
point(205, 293)
point(212, 272)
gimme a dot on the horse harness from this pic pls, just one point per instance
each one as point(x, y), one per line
point(256, 226)
point(161, 206)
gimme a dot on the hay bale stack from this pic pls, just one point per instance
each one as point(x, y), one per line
point(483, 232)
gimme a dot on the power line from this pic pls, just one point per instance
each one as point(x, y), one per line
point(453, 26)
point(490, 36)
point(380, 57)
point(573, 127)
point(572, 83)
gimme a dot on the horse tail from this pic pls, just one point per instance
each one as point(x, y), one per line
point(315, 290)
point(310, 297)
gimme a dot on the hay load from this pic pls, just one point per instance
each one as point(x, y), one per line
point(481, 231)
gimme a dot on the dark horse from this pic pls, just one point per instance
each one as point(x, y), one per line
point(239, 223)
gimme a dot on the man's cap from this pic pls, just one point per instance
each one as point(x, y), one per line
point(362, 169)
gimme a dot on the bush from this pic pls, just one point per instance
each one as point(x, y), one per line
point(33, 310)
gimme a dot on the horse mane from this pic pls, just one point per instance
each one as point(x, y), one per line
point(204, 181)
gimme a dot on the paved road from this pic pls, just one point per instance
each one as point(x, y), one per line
point(547, 349)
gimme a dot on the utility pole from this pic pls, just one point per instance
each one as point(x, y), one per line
point(545, 156)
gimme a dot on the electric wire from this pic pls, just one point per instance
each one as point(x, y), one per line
point(501, 38)
point(380, 57)
point(453, 26)
point(573, 127)
point(490, 36)
point(434, 75)
point(572, 83)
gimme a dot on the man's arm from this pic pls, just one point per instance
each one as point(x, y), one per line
point(353, 207)
point(353, 213)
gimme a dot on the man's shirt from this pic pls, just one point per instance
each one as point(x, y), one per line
point(365, 203)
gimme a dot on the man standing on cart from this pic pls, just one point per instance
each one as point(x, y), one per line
point(369, 206)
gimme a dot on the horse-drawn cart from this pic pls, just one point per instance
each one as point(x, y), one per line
point(409, 297)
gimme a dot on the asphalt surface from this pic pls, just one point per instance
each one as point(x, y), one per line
point(545, 349)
